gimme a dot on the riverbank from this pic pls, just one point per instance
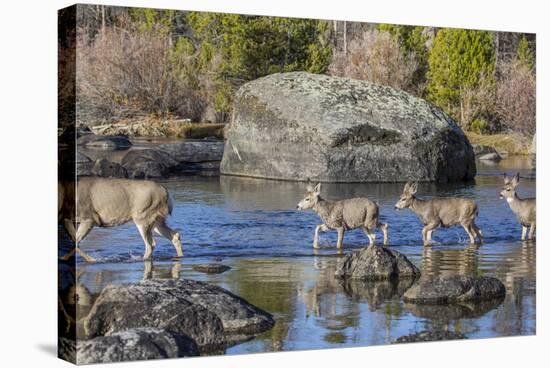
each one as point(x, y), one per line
point(504, 143)
point(154, 127)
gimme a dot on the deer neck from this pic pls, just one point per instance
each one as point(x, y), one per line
point(323, 208)
point(418, 205)
point(514, 201)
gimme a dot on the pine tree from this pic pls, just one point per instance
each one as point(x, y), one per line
point(461, 63)
point(525, 55)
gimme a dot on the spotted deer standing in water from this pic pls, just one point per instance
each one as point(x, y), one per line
point(343, 215)
point(107, 202)
point(525, 209)
point(441, 212)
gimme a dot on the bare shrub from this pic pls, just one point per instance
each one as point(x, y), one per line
point(124, 73)
point(377, 57)
point(516, 97)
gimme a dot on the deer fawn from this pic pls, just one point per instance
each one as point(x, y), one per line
point(343, 215)
point(443, 212)
point(524, 209)
point(109, 202)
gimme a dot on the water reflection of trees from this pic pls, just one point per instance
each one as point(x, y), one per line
point(446, 262)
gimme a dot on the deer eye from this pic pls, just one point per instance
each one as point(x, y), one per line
point(307, 199)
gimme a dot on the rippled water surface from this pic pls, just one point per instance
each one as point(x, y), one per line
point(252, 226)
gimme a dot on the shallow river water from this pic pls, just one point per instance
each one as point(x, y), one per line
point(252, 226)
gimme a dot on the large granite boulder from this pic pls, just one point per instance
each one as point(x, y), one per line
point(295, 126)
point(135, 344)
point(376, 263)
point(196, 157)
point(455, 289)
point(208, 314)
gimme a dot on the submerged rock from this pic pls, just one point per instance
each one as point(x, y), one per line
point(424, 336)
point(211, 268)
point(295, 126)
point(104, 142)
point(206, 313)
point(376, 263)
point(454, 289)
point(135, 344)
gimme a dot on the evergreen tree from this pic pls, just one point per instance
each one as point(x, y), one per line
point(461, 63)
point(525, 55)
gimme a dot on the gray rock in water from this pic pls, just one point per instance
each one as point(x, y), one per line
point(206, 313)
point(135, 344)
point(211, 268)
point(455, 289)
point(376, 263)
point(108, 169)
point(104, 142)
point(481, 149)
point(424, 336)
point(66, 349)
point(83, 164)
point(147, 163)
point(295, 126)
point(490, 157)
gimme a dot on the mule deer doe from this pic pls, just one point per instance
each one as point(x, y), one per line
point(343, 215)
point(106, 202)
point(443, 212)
point(524, 209)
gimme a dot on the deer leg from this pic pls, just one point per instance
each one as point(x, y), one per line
point(340, 242)
point(83, 229)
point(318, 228)
point(478, 232)
point(145, 232)
point(532, 231)
point(523, 232)
point(69, 227)
point(384, 228)
point(429, 235)
point(370, 234)
point(173, 236)
point(468, 229)
point(147, 270)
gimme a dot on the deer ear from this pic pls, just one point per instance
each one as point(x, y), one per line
point(515, 180)
point(309, 186)
point(413, 188)
point(407, 187)
point(317, 189)
point(506, 180)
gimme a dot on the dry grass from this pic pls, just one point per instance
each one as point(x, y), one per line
point(152, 126)
point(511, 143)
